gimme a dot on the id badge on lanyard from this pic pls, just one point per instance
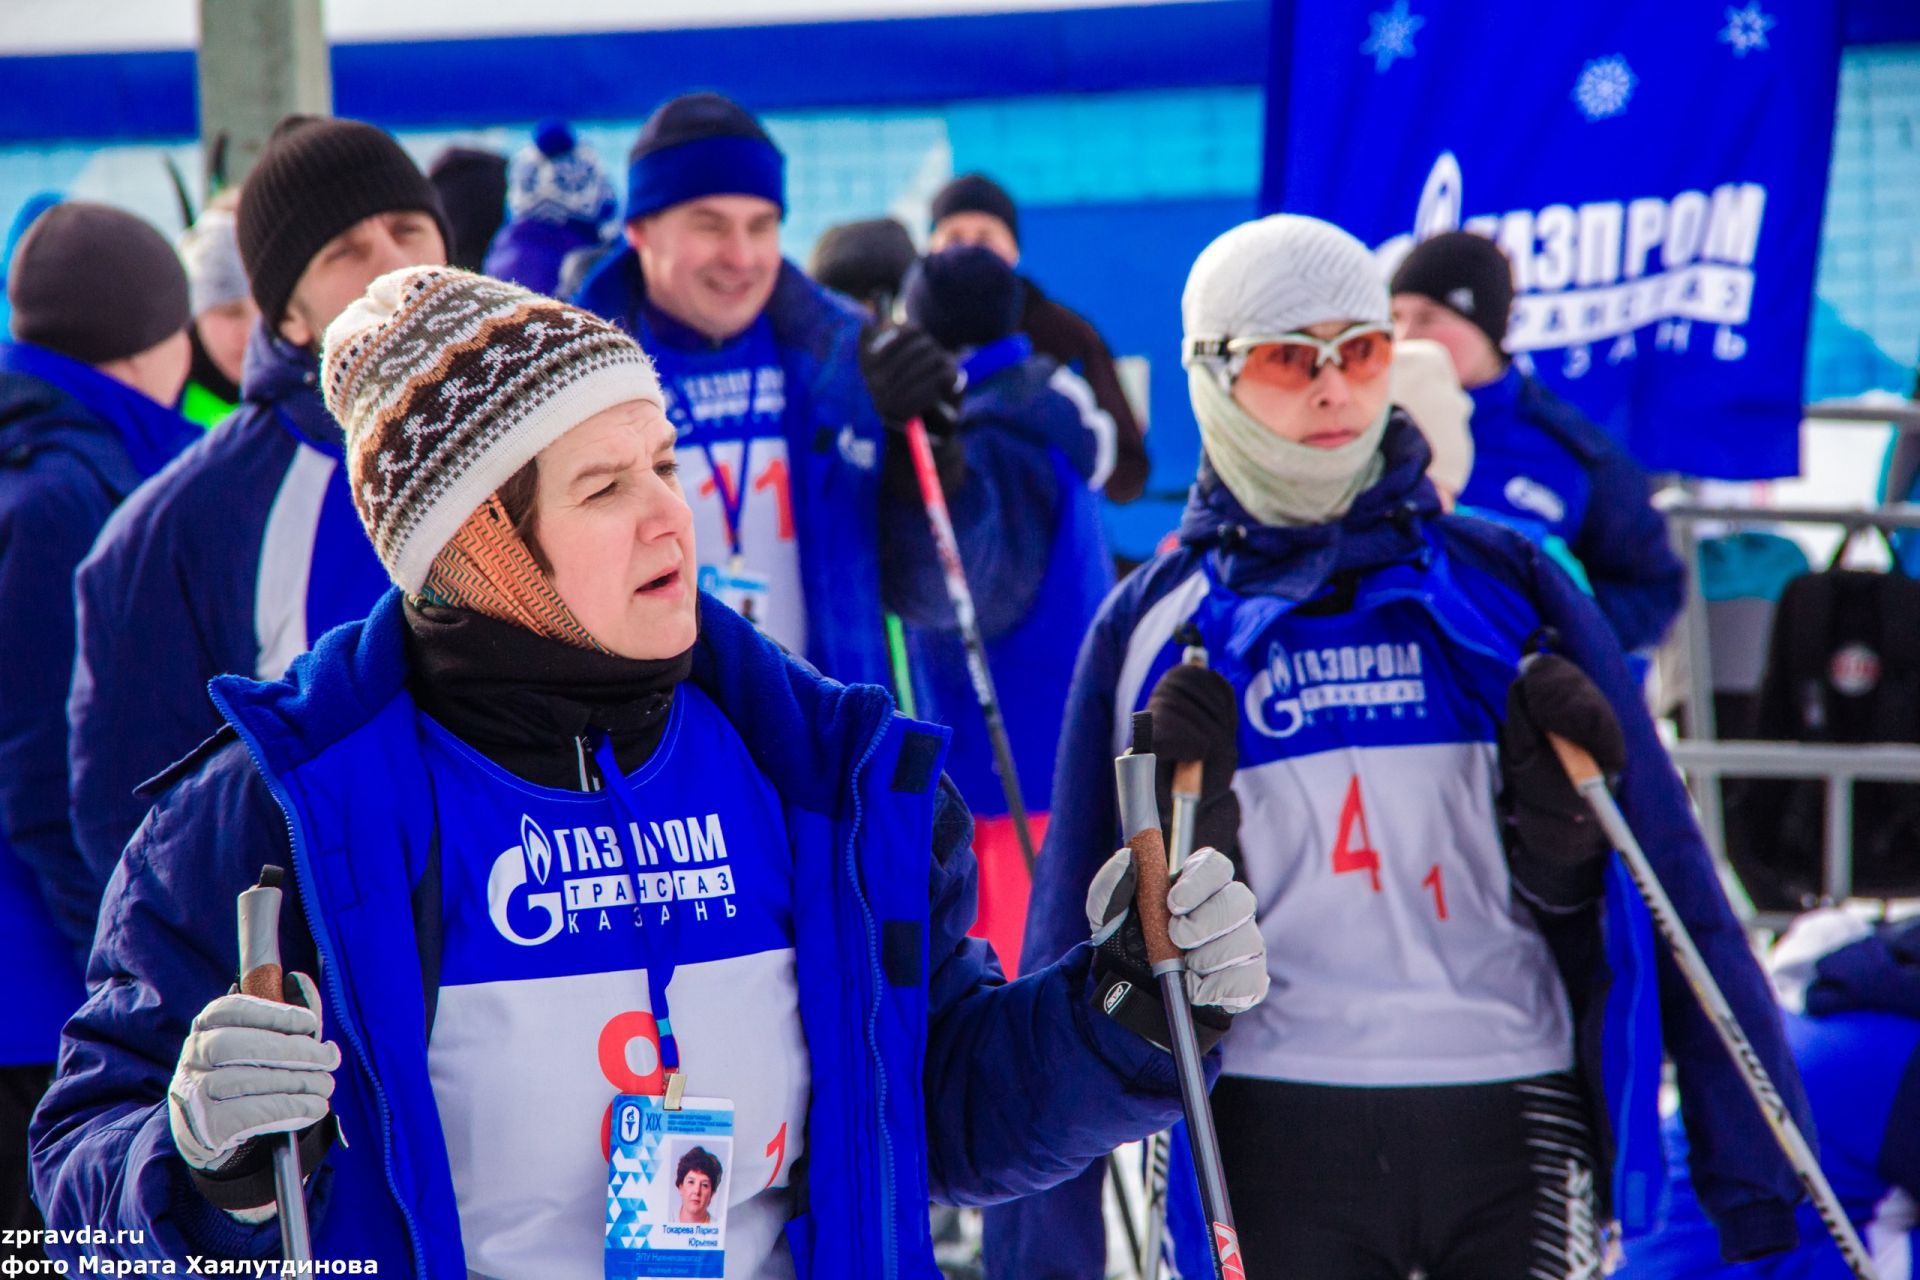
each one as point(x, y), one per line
point(740, 589)
point(667, 1187)
point(668, 1155)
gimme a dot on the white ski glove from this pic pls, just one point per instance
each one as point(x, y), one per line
point(249, 1067)
point(1212, 924)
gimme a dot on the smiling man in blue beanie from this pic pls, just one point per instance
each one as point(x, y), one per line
point(247, 548)
point(790, 404)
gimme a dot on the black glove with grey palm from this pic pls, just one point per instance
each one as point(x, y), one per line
point(1555, 847)
point(909, 376)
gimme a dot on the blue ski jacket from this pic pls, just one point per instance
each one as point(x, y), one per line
point(842, 516)
point(529, 251)
point(73, 444)
point(931, 1075)
point(1029, 454)
point(229, 561)
point(1858, 1046)
point(1536, 456)
point(1491, 590)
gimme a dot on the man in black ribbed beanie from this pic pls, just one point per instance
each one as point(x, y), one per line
point(330, 206)
point(1537, 460)
point(244, 552)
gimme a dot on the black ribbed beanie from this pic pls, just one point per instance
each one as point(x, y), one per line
point(976, 193)
point(317, 177)
point(95, 284)
point(1465, 273)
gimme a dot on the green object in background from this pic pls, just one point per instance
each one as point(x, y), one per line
point(201, 406)
point(902, 673)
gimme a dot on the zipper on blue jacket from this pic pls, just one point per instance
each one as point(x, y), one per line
point(890, 1254)
point(323, 944)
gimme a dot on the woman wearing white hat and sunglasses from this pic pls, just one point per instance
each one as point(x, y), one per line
point(1453, 1073)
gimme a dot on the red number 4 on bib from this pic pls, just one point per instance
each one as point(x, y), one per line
point(1348, 856)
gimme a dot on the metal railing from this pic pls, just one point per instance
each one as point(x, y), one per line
point(1706, 758)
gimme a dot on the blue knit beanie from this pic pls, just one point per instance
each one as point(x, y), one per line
point(701, 144)
point(964, 297)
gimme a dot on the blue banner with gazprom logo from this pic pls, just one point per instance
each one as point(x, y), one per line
point(1655, 169)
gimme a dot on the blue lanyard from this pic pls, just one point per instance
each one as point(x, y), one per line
point(659, 971)
point(733, 497)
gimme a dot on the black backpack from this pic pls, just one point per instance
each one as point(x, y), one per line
point(1843, 666)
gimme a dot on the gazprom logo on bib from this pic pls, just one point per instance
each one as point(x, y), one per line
point(592, 876)
point(534, 854)
point(1285, 695)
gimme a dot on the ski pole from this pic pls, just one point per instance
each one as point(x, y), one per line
point(260, 975)
point(948, 548)
point(1592, 784)
point(1159, 1151)
point(1140, 821)
point(1187, 779)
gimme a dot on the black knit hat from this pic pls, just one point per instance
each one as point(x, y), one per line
point(864, 260)
point(965, 296)
point(1465, 273)
point(317, 177)
point(976, 193)
point(95, 284)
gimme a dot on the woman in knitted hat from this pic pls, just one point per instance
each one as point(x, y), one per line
point(1452, 1074)
point(566, 837)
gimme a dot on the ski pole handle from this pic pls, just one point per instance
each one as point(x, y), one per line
point(1186, 807)
point(1140, 822)
point(1188, 775)
point(1579, 763)
point(261, 975)
point(260, 972)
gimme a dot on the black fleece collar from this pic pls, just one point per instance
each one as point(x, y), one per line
point(526, 702)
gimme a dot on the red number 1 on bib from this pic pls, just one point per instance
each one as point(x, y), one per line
point(1347, 856)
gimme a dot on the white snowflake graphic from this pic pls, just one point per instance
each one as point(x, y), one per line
point(1392, 35)
point(1747, 29)
point(1605, 87)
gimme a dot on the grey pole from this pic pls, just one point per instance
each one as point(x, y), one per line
point(259, 60)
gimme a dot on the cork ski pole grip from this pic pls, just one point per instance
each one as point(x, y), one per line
point(266, 982)
point(1580, 766)
point(1135, 772)
point(1150, 884)
point(1186, 778)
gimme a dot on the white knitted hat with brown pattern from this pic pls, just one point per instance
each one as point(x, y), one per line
point(447, 383)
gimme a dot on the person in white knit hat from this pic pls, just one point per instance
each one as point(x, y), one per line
point(223, 311)
point(570, 840)
point(1444, 1080)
